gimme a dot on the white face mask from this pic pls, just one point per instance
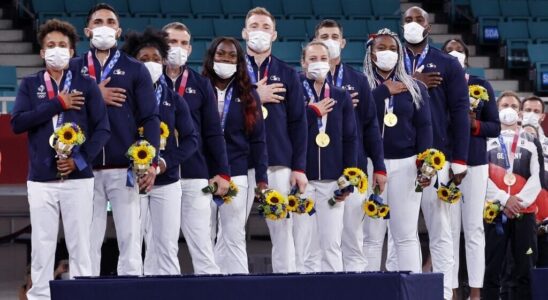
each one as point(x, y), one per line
point(530, 118)
point(317, 70)
point(386, 60)
point(177, 56)
point(334, 48)
point(508, 116)
point(259, 41)
point(460, 56)
point(413, 33)
point(103, 37)
point(224, 70)
point(57, 58)
point(155, 70)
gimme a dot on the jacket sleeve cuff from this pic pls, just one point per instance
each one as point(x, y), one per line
point(225, 177)
point(316, 110)
point(476, 131)
point(300, 171)
point(62, 102)
point(380, 172)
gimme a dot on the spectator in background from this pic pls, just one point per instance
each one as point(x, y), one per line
point(468, 213)
point(46, 101)
point(514, 181)
point(449, 105)
point(199, 95)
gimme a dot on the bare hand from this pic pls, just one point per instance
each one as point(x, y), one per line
point(324, 106)
point(472, 119)
point(222, 185)
point(146, 182)
point(261, 186)
point(457, 178)
point(65, 166)
point(113, 96)
point(299, 179)
point(342, 197)
point(355, 99)
point(380, 181)
point(423, 181)
point(512, 206)
point(162, 165)
point(74, 100)
point(395, 87)
point(431, 79)
point(267, 92)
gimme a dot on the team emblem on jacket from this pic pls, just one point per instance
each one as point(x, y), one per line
point(274, 78)
point(41, 93)
point(166, 103)
point(348, 87)
point(431, 65)
point(190, 90)
point(84, 71)
point(119, 72)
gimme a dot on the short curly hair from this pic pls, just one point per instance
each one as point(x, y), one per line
point(64, 28)
point(136, 41)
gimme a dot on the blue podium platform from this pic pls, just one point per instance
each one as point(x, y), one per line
point(369, 285)
point(539, 283)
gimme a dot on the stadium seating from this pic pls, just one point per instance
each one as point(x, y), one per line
point(538, 8)
point(375, 25)
point(78, 8)
point(175, 9)
point(121, 6)
point(327, 9)
point(200, 29)
point(479, 72)
point(292, 30)
point(236, 9)
point(357, 9)
point(541, 80)
point(274, 7)
point(228, 27)
point(538, 30)
point(134, 24)
point(288, 51)
point(514, 8)
point(206, 8)
point(79, 23)
point(301, 9)
point(387, 9)
point(355, 30)
point(8, 79)
point(49, 9)
point(145, 8)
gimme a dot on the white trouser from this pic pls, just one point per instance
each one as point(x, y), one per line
point(281, 231)
point(404, 204)
point(196, 225)
point(329, 226)
point(352, 236)
point(230, 248)
point(469, 213)
point(438, 222)
point(73, 199)
point(110, 185)
point(160, 210)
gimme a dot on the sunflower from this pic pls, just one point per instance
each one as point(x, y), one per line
point(490, 211)
point(370, 208)
point(67, 135)
point(437, 160)
point(457, 195)
point(141, 131)
point(362, 186)
point(164, 130)
point(309, 205)
point(141, 153)
point(292, 202)
point(443, 193)
point(353, 175)
point(271, 217)
point(383, 211)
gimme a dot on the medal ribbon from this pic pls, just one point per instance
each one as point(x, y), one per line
point(106, 71)
point(228, 99)
point(312, 97)
point(407, 59)
point(340, 74)
point(182, 85)
point(52, 94)
point(509, 160)
point(251, 72)
point(158, 93)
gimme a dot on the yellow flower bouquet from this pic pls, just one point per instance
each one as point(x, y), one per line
point(350, 179)
point(66, 140)
point(374, 207)
point(491, 210)
point(272, 204)
point(227, 198)
point(298, 204)
point(164, 134)
point(429, 162)
point(141, 154)
point(449, 193)
point(477, 94)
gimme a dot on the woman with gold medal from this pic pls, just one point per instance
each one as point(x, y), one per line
point(332, 147)
point(405, 122)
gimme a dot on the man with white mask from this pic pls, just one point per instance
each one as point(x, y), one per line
point(532, 113)
point(62, 187)
point(127, 89)
point(514, 181)
point(286, 132)
point(450, 105)
point(342, 75)
point(200, 97)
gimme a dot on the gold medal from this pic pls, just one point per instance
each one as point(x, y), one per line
point(509, 179)
point(322, 139)
point(265, 112)
point(390, 120)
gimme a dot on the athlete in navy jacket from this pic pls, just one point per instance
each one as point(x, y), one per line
point(244, 132)
point(127, 89)
point(284, 113)
point(332, 147)
point(198, 94)
point(160, 208)
point(468, 214)
point(397, 94)
point(449, 101)
point(45, 101)
point(343, 75)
